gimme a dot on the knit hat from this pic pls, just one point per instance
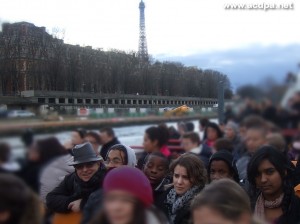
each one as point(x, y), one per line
point(233, 126)
point(131, 180)
point(129, 153)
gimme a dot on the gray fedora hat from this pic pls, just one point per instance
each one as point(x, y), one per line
point(84, 153)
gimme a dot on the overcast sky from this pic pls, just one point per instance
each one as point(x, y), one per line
point(174, 27)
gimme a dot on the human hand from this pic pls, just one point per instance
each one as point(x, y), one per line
point(74, 206)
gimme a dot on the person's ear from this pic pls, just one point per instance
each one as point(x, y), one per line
point(4, 216)
point(155, 142)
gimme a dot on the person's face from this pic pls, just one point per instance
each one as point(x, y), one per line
point(188, 145)
point(254, 140)
point(86, 170)
point(119, 207)
point(219, 170)
point(181, 129)
point(229, 133)
point(94, 143)
point(181, 180)
point(149, 146)
point(76, 139)
point(155, 169)
point(105, 138)
point(207, 215)
point(33, 153)
point(212, 134)
point(115, 158)
point(269, 180)
point(242, 132)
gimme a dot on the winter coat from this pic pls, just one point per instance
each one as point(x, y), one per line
point(105, 148)
point(71, 189)
point(92, 206)
point(242, 165)
point(290, 207)
point(54, 173)
point(30, 173)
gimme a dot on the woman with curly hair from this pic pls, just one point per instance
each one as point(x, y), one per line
point(189, 178)
point(270, 172)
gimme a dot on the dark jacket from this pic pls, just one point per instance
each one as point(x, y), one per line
point(30, 173)
point(107, 146)
point(205, 154)
point(72, 189)
point(182, 217)
point(93, 206)
point(290, 207)
point(160, 189)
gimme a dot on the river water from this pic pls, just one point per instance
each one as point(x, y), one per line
point(130, 135)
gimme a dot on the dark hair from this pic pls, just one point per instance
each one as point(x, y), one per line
point(94, 135)
point(223, 144)
point(160, 133)
point(121, 148)
point(277, 158)
point(204, 122)
point(216, 128)
point(18, 199)
point(139, 216)
point(194, 167)
point(109, 131)
point(160, 155)
point(4, 152)
point(81, 132)
point(281, 164)
point(27, 137)
point(49, 149)
point(190, 126)
point(226, 197)
point(193, 136)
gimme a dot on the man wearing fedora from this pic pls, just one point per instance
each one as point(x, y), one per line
point(75, 189)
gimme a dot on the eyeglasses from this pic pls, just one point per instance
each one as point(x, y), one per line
point(82, 165)
point(114, 161)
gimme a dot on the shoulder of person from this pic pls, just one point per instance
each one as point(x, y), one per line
point(155, 217)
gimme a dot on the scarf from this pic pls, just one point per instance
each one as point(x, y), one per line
point(84, 189)
point(175, 203)
point(261, 204)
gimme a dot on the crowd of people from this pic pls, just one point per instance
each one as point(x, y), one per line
point(244, 170)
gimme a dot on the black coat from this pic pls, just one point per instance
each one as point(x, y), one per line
point(93, 206)
point(30, 173)
point(72, 189)
point(205, 154)
point(182, 217)
point(107, 146)
point(290, 207)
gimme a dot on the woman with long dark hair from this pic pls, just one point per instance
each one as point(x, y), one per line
point(270, 176)
point(189, 178)
point(128, 199)
point(40, 154)
point(155, 140)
